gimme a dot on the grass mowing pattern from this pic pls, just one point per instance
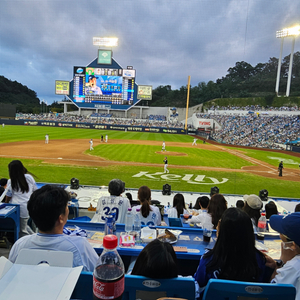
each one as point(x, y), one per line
point(289, 161)
point(238, 183)
point(194, 156)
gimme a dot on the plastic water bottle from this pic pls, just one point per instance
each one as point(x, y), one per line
point(129, 221)
point(207, 228)
point(262, 223)
point(137, 226)
point(108, 277)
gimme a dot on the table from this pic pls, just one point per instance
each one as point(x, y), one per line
point(190, 238)
point(10, 219)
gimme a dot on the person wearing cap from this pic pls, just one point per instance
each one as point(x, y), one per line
point(280, 167)
point(252, 207)
point(114, 203)
point(91, 86)
point(288, 271)
point(214, 190)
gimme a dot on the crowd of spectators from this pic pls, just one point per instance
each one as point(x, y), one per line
point(151, 121)
point(254, 130)
point(255, 108)
point(234, 256)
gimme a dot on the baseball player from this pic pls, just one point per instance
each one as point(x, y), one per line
point(46, 138)
point(91, 145)
point(194, 142)
point(106, 138)
point(166, 165)
point(101, 138)
point(163, 147)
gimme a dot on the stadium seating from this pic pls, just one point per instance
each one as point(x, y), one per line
point(136, 287)
point(218, 289)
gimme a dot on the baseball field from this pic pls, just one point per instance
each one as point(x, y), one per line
point(137, 159)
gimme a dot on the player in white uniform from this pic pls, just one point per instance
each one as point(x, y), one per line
point(106, 138)
point(91, 145)
point(194, 142)
point(114, 203)
point(166, 165)
point(163, 147)
point(91, 87)
point(46, 138)
point(48, 208)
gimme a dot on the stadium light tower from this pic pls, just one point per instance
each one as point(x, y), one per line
point(286, 32)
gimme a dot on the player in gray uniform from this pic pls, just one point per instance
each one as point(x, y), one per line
point(163, 147)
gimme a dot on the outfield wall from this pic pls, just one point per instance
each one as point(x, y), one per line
point(98, 126)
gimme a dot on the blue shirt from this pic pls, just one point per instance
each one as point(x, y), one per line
point(83, 253)
point(202, 277)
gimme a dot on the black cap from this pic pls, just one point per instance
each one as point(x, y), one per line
point(263, 195)
point(214, 190)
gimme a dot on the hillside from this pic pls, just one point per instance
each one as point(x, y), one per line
point(20, 95)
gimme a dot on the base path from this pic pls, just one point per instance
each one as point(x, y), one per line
point(71, 152)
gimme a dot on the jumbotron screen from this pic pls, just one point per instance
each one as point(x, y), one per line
point(103, 85)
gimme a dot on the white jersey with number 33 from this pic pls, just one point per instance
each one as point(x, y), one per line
point(111, 204)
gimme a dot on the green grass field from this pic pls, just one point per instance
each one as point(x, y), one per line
point(180, 178)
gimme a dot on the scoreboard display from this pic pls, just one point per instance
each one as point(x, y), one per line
point(103, 85)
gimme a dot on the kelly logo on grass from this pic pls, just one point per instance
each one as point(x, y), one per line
point(189, 178)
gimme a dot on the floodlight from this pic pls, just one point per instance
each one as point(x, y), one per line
point(286, 32)
point(105, 41)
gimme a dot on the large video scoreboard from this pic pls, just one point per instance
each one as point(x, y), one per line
point(103, 85)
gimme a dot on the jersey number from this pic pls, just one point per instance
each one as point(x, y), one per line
point(107, 211)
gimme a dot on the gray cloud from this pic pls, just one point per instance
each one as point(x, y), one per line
point(165, 41)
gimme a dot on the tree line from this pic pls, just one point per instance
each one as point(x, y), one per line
point(241, 81)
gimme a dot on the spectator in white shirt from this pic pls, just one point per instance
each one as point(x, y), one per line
point(178, 207)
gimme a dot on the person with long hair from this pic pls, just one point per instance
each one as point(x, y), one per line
point(20, 187)
point(149, 214)
point(217, 206)
point(234, 256)
point(271, 209)
point(178, 207)
point(156, 260)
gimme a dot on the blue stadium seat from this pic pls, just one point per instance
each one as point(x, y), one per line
point(175, 222)
point(137, 287)
point(218, 289)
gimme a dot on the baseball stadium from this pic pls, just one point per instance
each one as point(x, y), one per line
point(246, 152)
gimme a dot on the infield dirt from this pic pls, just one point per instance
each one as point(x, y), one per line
point(71, 152)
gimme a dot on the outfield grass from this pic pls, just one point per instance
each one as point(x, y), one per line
point(181, 179)
point(273, 158)
point(33, 133)
point(153, 154)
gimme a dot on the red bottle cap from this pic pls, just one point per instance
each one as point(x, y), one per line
point(110, 241)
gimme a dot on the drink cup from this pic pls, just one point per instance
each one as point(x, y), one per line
point(206, 239)
point(207, 232)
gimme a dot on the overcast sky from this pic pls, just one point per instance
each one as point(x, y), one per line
point(164, 40)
